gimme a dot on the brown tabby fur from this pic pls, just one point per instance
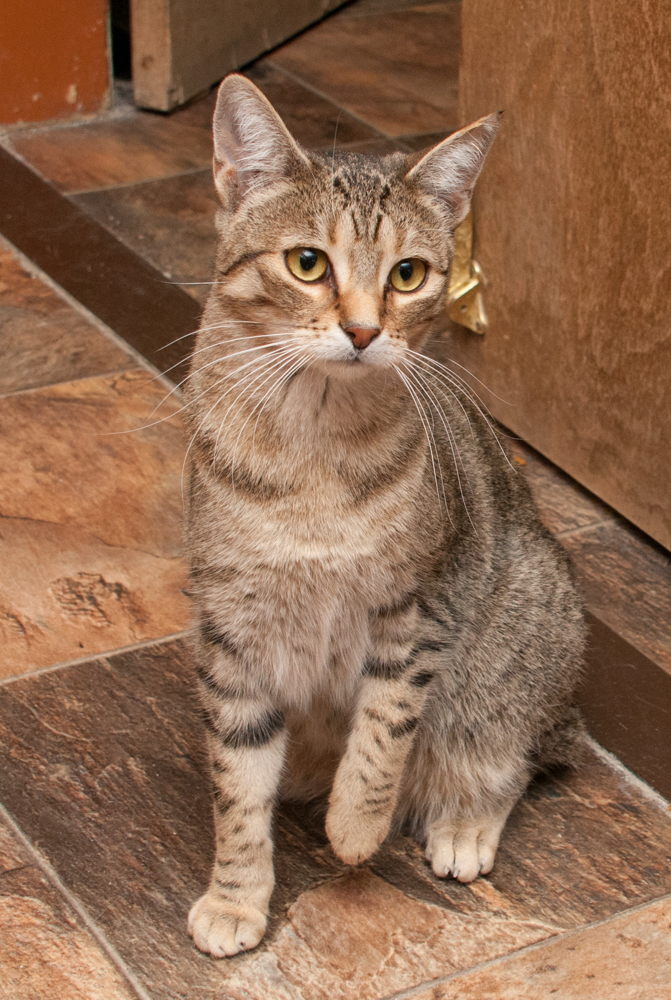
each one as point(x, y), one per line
point(381, 616)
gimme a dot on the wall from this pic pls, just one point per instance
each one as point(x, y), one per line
point(54, 59)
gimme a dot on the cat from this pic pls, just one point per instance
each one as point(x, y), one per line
point(381, 618)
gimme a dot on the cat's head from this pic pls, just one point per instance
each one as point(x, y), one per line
point(348, 255)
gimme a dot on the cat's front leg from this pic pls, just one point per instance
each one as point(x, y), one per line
point(246, 741)
point(393, 694)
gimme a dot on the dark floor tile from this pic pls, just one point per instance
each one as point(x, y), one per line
point(577, 848)
point(169, 222)
point(314, 121)
point(45, 952)
point(424, 140)
point(106, 153)
point(42, 339)
point(396, 70)
point(375, 147)
point(626, 581)
point(12, 852)
point(364, 8)
point(108, 779)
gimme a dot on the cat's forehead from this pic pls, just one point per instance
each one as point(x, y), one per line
point(364, 199)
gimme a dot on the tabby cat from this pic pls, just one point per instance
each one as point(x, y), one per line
point(381, 617)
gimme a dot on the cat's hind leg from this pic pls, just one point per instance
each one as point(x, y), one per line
point(457, 800)
point(465, 848)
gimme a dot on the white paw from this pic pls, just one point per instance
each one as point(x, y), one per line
point(220, 928)
point(463, 849)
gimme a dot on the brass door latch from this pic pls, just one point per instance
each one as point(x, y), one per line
point(464, 297)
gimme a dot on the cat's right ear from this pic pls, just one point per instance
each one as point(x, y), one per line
point(252, 146)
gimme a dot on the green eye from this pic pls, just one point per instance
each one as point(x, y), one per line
point(307, 264)
point(408, 275)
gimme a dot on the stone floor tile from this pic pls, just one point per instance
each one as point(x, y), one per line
point(91, 521)
point(314, 121)
point(108, 778)
point(169, 222)
point(43, 339)
point(139, 147)
point(424, 140)
point(396, 70)
point(359, 938)
point(12, 852)
point(45, 953)
point(576, 848)
point(626, 580)
point(628, 958)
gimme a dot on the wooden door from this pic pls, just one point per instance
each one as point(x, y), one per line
point(572, 220)
point(181, 47)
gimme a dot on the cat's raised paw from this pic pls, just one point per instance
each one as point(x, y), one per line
point(464, 849)
point(355, 838)
point(222, 929)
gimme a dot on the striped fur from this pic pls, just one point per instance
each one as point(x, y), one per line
point(381, 618)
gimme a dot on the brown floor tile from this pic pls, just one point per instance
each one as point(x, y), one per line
point(169, 222)
point(105, 153)
point(626, 581)
point(312, 120)
point(108, 778)
point(42, 339)
point(12, 852)
point(359, 938)
point(424, 140)
point(45, 954)
point(628, 958)
point(396, 70)
point(576, 848)
point(91, 529)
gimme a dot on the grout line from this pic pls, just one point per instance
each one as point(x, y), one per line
point(414, 991)
point(96, 657)
point(646, 790)
point(76, 905)
point(91, 317)
point(585, 528)
point(341, 107)
point(143, 180)
point(126, 370)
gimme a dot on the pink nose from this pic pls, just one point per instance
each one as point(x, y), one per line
point(361, 335)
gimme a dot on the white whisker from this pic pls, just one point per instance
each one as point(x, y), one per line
point(452, 441)
point(429, 438)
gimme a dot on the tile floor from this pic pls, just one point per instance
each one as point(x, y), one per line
point(106, 838)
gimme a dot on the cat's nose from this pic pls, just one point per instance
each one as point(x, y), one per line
point(362, 335)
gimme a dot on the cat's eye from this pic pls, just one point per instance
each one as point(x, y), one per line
point(307, 264)
point(408, 275)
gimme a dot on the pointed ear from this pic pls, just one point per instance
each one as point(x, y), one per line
point(252, 146)
point(449, 171)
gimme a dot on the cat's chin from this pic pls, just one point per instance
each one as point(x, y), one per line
point(354, 368)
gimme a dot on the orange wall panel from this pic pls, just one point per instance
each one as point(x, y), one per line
point(54, 59)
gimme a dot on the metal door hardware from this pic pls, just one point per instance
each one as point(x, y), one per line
point(464, 298)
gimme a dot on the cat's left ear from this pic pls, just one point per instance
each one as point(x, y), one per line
point(252, 145)
point(449, 171)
